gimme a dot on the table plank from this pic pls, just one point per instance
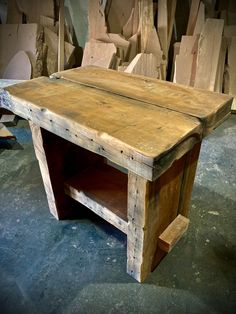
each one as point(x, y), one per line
point(210, 108)
point(143, 138)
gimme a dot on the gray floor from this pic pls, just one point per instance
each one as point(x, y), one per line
point(79, 266)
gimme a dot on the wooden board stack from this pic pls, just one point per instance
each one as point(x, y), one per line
point(29, 40)
point(207, 52)
point(136, 37)
point(130, 36)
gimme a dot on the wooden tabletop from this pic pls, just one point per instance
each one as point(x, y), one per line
point(139, 123)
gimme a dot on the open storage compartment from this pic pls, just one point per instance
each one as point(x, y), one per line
point(103, 189)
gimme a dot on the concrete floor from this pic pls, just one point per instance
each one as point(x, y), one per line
point(79, 266)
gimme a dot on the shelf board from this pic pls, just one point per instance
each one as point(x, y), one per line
point(103, 189)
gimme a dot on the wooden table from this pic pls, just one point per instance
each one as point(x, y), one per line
point(124, 146)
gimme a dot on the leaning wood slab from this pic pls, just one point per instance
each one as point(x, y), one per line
point(210, 108)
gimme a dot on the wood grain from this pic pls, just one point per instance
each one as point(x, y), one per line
point(99, 54)
point(172, 234)
point(192, 16)
point(103, 189)
point(208, 54)
point(210, 108)
point(152, 206)
point(143, 64)
point(95, 119)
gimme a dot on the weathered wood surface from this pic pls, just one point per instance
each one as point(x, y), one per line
point(210, 108)
point(145, 139)
point(152, 206)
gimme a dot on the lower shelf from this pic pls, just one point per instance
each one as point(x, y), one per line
point(103, 189)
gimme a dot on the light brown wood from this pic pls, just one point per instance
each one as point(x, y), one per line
point(118, 14)
point(172, 234)
point(186, 59)
point(99, 54)
point(42, 159)
point(208, 54)
point(143, 64)
point(175, 53)
point(58, 160)
point(5, 133)
point(192, 17)
point(149, 41)
point(136, 19)
point(61, 36)
point(209, 108)
point(200, 19)
point(171, 6)
point(103, 189)
point(127, 29)
point(162, 26)
point(51, 40)
point(99, 125)
point(152, 206)
point(97, 28)
point(190, 167)
point(149, 137)
point(19, 67)
point(26, 37)
point(121, 43)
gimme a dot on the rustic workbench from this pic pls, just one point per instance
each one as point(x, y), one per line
point(124, 146)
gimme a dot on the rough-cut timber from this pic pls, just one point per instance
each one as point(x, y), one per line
point(118, 128)
point(208, 107)
point(171, 235)
point(209, 47)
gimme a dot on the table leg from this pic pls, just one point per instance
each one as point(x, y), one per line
point(50, 151)
point(59, 160)
point(152, 206)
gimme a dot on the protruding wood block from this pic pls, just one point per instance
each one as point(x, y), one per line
point(172, 234)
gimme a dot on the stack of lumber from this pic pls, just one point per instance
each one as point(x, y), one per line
point(29, 40)
point(137, 37)
point(206, 56)
point(131, 36)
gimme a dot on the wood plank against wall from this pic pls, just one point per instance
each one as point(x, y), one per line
point(208, 54)
point(99, 53)
point(192, 17)
point(143, 64)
